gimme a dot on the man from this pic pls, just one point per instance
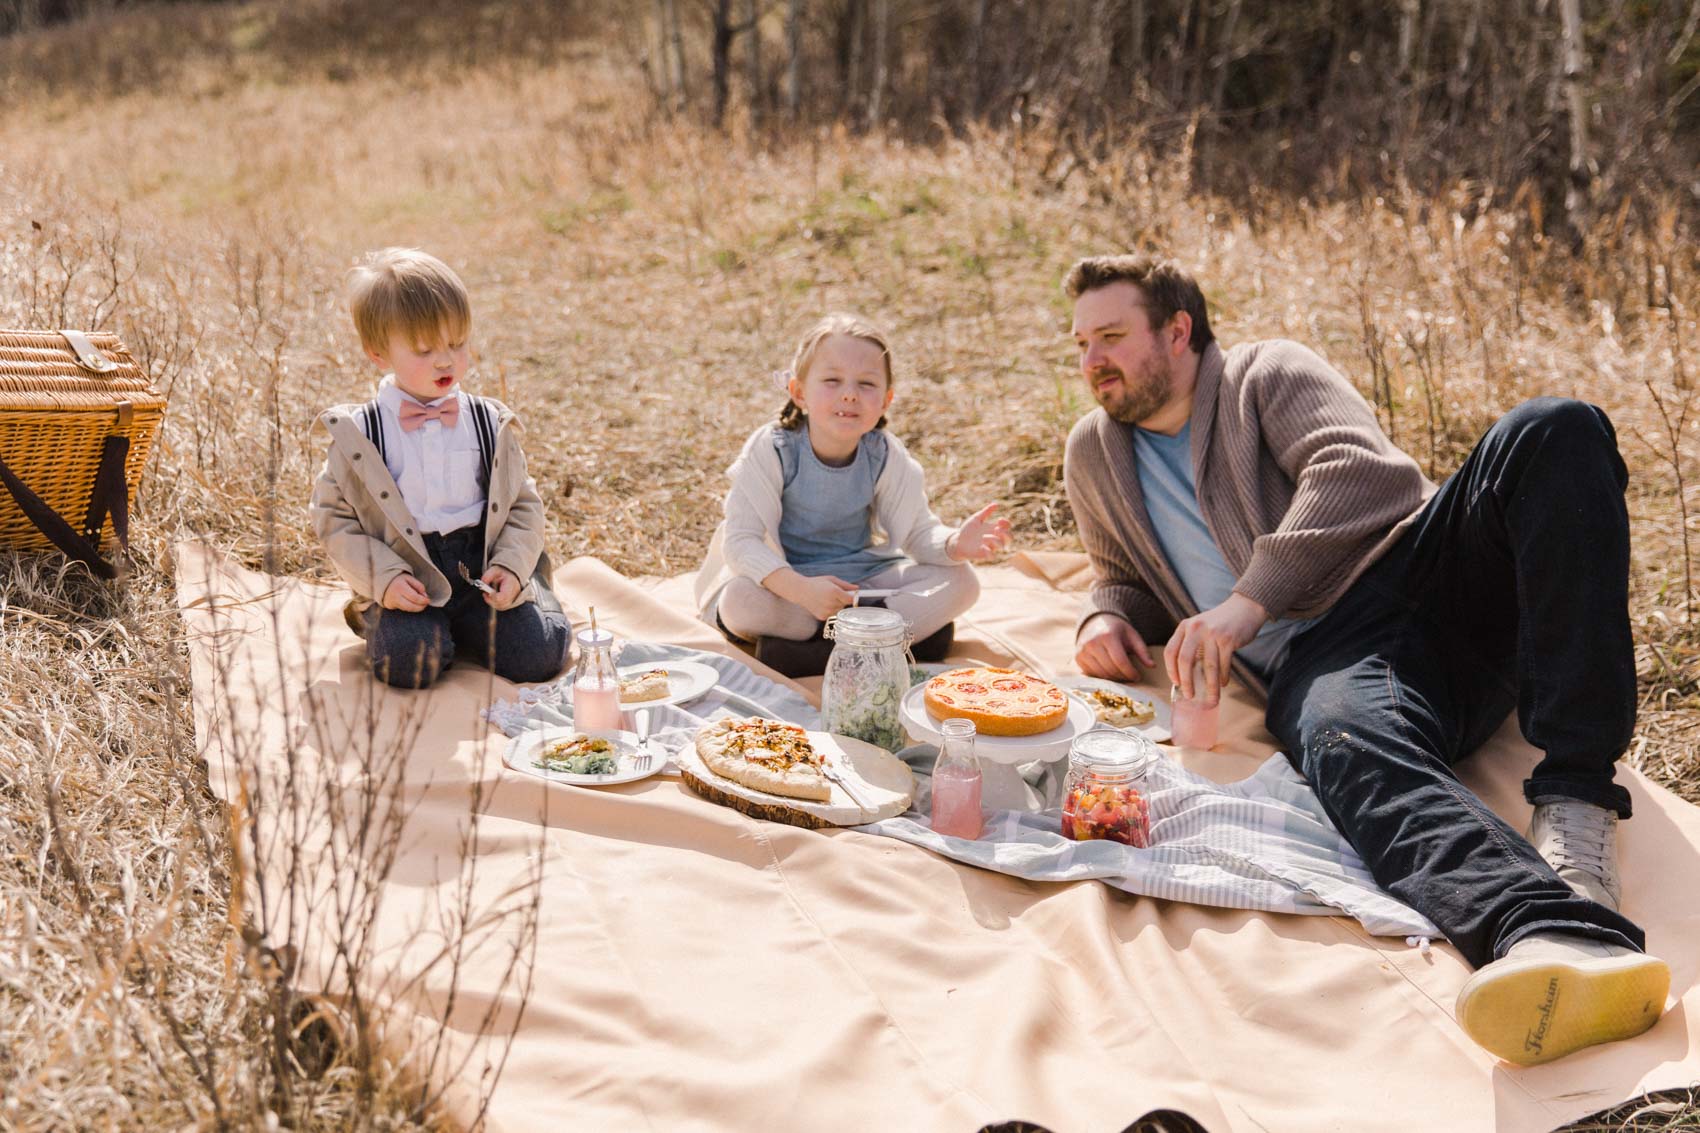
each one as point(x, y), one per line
point(1245, 507)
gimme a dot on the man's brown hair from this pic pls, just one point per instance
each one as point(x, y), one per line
point(407, 291)
point(1166, 287)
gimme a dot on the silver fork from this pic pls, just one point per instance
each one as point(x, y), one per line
point(642, 759)
point(477, 583)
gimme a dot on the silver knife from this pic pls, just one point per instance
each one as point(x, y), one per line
point(827, 770)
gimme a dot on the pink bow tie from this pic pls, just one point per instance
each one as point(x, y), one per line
point(414, 414)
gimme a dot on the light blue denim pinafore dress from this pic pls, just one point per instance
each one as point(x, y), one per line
point(826, 513)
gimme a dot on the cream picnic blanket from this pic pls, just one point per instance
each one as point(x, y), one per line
point(695, 969)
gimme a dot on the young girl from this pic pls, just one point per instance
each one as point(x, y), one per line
point(824, 503)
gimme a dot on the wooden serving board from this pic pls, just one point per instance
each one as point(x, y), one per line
point(879, 777)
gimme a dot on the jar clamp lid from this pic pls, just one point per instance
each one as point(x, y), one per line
point(1113, 750)
point(868, 625)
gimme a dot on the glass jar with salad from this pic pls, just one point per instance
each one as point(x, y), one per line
point(866, 675)
point(1104, 795)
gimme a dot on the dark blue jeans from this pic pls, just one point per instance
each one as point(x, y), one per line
point(410, 650)
point(1511, 589)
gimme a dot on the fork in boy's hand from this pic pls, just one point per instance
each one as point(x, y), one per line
point(477, 583)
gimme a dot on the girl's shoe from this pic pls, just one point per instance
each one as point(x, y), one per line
point(794, 658)
point(936, 645)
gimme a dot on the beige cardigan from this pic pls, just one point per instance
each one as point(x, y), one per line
point(747, 542)
point(1297, 483)
point(369, 534)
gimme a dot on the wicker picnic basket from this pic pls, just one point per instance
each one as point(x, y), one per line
point(77, 418)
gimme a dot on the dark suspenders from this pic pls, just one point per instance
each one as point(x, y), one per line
point(483, 425)
point(372, 424)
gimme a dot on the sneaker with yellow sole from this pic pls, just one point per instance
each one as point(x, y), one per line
point(1552, 994)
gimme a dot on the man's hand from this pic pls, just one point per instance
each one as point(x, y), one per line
point(507, 586)
point(1107, 646)
point(979, 538)
point(1208, 641)
point(405, 593)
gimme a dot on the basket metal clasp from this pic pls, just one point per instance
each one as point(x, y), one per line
point(88, 355)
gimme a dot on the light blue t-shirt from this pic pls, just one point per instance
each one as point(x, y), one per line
point(1171, 499)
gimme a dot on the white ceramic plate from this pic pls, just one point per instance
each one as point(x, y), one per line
point(1157, 731)
point(1001, 749)
point(521, 755)
point(686, 680)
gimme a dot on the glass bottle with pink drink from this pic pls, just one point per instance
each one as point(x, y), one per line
point(956, 782)
point(596, 686)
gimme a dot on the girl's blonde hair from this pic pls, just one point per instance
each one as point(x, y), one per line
point(792, 416)
point(406, 291)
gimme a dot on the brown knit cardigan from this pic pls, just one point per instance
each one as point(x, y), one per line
point(1297, 483)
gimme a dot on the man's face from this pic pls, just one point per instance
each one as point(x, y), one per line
point(1121, 357)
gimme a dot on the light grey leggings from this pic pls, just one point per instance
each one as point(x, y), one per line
point(750, 610)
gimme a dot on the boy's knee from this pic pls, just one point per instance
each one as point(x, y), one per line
point(403, 668)
point(531, 646)
point(406, 650)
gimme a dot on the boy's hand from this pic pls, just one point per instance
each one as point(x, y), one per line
point(405, 593)
point(507, 586)
point(980, 538)
point(824, 595)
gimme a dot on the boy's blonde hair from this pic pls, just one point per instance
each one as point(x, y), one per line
point(851, 326)
point(407, 291)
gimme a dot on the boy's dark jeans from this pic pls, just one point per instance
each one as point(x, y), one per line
point(1510, 589)
point(409, 650)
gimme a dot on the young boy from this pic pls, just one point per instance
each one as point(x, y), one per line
point(424, 490)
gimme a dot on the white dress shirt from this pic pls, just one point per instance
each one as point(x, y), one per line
point(436, 467)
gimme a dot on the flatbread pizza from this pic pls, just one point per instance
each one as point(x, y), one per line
point(1001, 702)
point(764, 755)
point(1119, 710)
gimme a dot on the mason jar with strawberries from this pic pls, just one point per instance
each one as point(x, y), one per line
point(1104, 794)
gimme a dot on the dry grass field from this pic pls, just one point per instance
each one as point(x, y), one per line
point(636, 280)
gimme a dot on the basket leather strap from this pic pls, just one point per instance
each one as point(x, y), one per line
point(109, 496)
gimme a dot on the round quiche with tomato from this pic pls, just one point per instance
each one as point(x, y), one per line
point(1001, 702)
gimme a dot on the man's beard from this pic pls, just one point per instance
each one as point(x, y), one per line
point(1140, 397)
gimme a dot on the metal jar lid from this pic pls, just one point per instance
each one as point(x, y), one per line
point(1113, 751)
point(868, 625)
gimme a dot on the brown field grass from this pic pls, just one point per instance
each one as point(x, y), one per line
point(635, 281)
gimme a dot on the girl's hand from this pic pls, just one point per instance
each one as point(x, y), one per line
point(405, 593)
point(824, 595)
point(980, 538)
point(507, 586)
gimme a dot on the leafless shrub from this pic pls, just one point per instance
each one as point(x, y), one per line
point(152, 940)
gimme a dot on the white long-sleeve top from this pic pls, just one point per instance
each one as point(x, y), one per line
point(747, 540)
